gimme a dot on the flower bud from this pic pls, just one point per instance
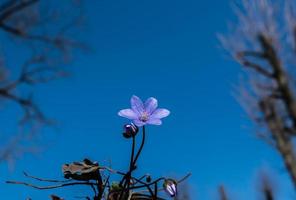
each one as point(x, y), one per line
point(148, 178)
point(130, 130)
point(170, 186)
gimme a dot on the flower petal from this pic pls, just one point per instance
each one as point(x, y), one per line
point(128, 113)
point(137, 104)
point(150, 105)
point(139, 122)
point(160, 113)
point(154, 121)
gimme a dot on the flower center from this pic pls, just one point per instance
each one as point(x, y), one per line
point(144, 117)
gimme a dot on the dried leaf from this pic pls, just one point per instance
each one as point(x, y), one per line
point(86, 170)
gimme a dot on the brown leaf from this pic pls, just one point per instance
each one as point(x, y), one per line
point(85, 170)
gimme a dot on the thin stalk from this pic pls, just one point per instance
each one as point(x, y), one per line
point(141, 147)
point(126, 179)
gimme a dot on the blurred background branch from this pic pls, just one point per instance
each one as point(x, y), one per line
point(222, 193)
point(43, 35)
point(263, 42)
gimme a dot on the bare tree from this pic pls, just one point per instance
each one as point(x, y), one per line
point(263, 41)
point(42, 36)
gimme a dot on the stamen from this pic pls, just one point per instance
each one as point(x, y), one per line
point(144, 117)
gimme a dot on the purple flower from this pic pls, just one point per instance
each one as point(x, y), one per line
point(144, 113)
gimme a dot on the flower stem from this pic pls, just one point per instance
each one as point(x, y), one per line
point(126, 179)
point(131, 167)
point(132, 154)
point(141, 147)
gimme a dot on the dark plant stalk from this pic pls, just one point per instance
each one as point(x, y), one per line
point(100, 186)
point(132, 167)
point(95, 192)
point(155, 190)
point(133, 160)
point(127, 177)
point(141, 147)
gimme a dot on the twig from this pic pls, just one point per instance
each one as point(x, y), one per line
point(50, 187)
point(45, 180)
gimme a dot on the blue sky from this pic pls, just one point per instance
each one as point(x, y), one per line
point(168, 50)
